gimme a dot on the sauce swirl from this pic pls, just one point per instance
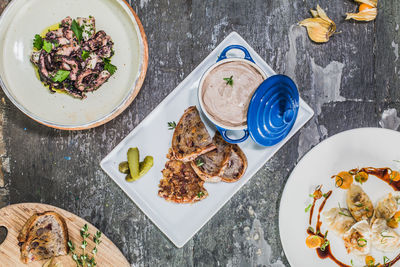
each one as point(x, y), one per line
point(382, 173)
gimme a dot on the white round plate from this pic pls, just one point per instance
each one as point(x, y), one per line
point(364, 147)
point(19, 23)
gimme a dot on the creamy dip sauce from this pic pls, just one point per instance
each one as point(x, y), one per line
point(227, 104)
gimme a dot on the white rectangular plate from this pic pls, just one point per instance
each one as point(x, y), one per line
point(179, 222)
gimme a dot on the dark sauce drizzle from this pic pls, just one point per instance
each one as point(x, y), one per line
point(381, 173)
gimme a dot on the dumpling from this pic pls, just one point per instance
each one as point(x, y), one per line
point(386, 207)
point(338, 221)
point(384, 238)
point(359, 204)
point(357, 239)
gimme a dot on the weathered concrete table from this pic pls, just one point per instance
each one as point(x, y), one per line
point(352, 81)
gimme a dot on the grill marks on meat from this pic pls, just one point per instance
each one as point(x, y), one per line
point(70, 64)
point(43, 72)
point(85, 75)
point(90, 80)
point(101, 43)
point(180, 184)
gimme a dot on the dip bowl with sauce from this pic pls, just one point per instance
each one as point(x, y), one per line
point(235, 95)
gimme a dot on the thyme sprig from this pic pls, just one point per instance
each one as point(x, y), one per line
point(171, 125)
point(85, 260)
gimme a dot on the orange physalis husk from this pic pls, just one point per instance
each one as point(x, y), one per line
point(373, 3)
point(366, 14)
point(320, 27)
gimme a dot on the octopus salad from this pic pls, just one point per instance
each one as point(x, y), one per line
point(73, 58)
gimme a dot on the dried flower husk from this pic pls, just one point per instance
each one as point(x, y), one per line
point(367, 14)
point(320, 27)
point(373, 3)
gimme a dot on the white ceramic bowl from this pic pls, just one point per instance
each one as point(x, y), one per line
point(19, 23)
point(200, 90)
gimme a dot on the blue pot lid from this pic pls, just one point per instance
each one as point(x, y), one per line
point(273, 110)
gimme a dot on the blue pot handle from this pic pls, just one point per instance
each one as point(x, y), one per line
point(246, 53)
point(233, 141)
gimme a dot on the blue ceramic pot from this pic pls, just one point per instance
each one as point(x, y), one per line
point(272, 110)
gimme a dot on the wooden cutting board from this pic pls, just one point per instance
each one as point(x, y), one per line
point(13, 217)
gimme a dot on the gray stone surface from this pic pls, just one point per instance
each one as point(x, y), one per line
point(352, 81)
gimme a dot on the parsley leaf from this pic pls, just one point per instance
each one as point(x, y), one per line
point(60, 76)
point(47, 46)
point(108, 66)
point(85, 55)
point(229, 81)
point(38, 42)
point(77, 30)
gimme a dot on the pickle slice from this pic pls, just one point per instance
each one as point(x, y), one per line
point(145, 165)
point(133, 168)
point(133, 162)
point(124, 167)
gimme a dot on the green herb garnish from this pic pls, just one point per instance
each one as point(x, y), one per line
point(311, 195)
point(77, 30)
point(84, 259)
point(344, 214)
point(61, 75)
point(385, 259)
point(229, 81)
point(199, 162)
point(361, 242)
point(308, 208)
point(85, 55)
point(359, 205)
point(353, 172)
point(323, 247)
point(47, 46)
point(38, 42)
point(324, 195)
point(171, 125)
point(385, 236)
point(200, 194)
point(339, 182)
point(108, 66)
